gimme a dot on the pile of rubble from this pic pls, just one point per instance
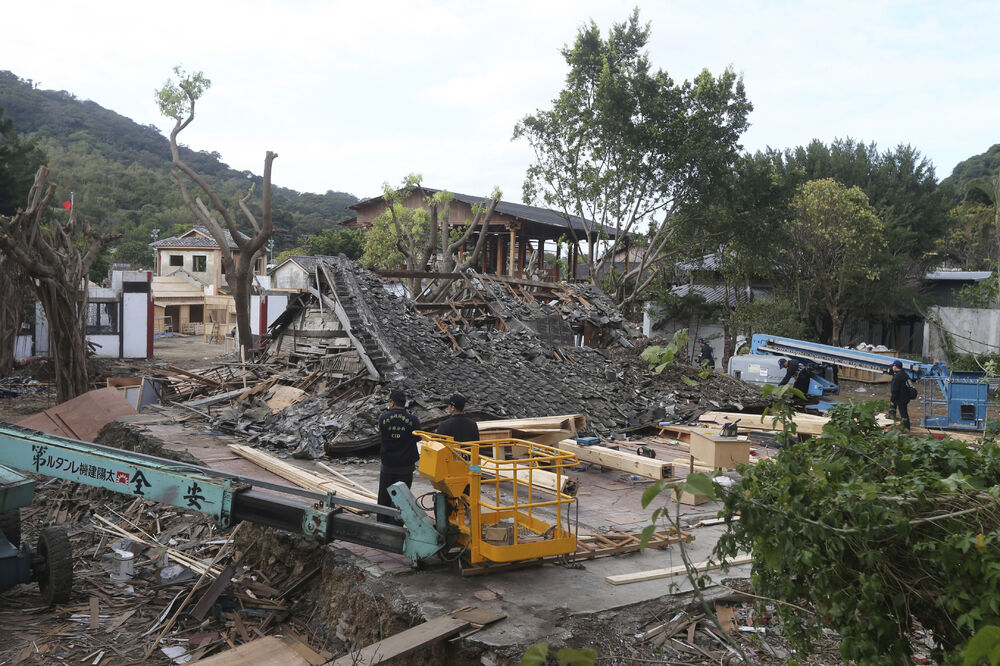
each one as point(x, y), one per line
point(347, 342)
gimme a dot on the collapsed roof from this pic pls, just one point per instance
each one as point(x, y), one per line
point(350, 341)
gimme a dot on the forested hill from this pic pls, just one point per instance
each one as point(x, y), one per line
point(119, 170)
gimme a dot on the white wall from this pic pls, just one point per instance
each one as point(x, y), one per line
point(972, 331)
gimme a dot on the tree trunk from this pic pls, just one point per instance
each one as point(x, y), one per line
point(239, 285)
point(11, 312)
point(68, 335)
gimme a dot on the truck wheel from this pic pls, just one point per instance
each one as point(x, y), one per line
point(55, 573)
point(10, 525)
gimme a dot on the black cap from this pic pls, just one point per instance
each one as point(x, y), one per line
point(897, 364)
point(398, 396)
point(457, 401)
point(782, 362)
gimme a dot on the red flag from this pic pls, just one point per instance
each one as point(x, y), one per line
point(68, 205)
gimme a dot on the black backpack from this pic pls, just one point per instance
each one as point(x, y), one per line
point(911, 391)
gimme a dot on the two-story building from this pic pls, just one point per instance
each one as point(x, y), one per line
point(189, 287)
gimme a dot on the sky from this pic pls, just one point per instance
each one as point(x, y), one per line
point(355, 94)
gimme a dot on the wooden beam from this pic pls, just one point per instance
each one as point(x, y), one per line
point(620, 460)
point(653, 574)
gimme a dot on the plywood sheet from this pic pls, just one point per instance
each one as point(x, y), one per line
point(82, 417)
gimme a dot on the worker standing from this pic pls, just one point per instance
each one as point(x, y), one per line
point(458, 426)
point(900, 394)
point(707, 354)
point(399, 448)
point(798, 371)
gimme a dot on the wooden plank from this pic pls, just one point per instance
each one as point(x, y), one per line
point(653, 574)
point(268, 650)
point(301, 477)
point(405, 642)
point(620, 460)
point(571, 422)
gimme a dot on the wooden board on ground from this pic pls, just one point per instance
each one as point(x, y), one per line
point(709, 446)
point(667, 572)
point(620, 460)
point(415, 638)
point(303, 477)
point(83, 416)
point(267, 650)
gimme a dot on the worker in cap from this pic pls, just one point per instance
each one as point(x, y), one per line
point(398, 449)
point(458, 426)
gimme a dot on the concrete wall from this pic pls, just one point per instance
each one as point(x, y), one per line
point(133, 300)
point(972, 331)
point(212, 275)
point(291, 276)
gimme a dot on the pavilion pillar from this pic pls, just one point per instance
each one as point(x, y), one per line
point(510, 253)
point(500, 249)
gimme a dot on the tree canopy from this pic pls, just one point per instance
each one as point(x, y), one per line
point(625, 147)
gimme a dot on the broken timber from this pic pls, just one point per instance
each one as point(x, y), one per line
point(422, 635)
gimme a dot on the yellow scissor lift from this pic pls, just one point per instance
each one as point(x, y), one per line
point(518, 512)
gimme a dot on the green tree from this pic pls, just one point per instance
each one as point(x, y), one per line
point(336, 241)
point(837, 238)
point(177, 100)
point(624, 148)
point(19, 160)
point(136, 253)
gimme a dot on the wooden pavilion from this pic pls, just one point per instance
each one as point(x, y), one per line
point(514, 231)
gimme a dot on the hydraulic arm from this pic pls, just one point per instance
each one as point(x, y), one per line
point(226, 498)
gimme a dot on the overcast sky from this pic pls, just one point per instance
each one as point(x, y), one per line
point(353, 94)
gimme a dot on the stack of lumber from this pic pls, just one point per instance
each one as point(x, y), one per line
point(338, 484)
point(806, 424)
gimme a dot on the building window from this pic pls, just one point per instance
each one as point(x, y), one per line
point(177, 260)
point(200, 263)
point(102, 318)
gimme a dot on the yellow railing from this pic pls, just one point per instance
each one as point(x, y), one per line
point(505, 509)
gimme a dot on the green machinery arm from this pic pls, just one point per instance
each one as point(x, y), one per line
point(226, 498)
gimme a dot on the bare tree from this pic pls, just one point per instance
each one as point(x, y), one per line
point(177, 101)
point(56, 257)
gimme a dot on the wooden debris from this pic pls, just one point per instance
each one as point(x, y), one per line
point(415, 638)
point(303, 477)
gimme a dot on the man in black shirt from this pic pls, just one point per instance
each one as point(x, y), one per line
point(399, 448)
point(459, 426)
point(798, 371)
point(899, 394)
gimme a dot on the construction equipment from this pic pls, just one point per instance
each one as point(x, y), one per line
point(495, 512)
point(951, 399)
point(227, 498)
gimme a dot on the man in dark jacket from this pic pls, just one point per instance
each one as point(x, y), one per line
point(707, 354)
point(795, 370)
point(399, 448)
point(458, 426)
point(899, 394)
